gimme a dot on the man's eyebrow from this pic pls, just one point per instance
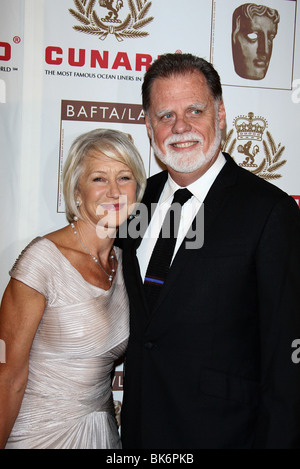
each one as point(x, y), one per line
point(200, 106)
point(163, 112)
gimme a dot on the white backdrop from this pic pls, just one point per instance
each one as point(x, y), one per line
point(65, 72)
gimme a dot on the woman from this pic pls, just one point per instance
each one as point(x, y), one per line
point(64, 314)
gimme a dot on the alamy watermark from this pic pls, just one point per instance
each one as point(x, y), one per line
point(296, 91)
point(2, 351)
point(296, 353)
point(139, 221)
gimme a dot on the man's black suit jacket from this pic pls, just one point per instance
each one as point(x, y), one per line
point(211, 366)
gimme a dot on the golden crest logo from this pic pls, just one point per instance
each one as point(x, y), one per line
point(260, 156)
point(104, 17)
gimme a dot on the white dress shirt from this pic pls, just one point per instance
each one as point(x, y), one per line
point(199, 189)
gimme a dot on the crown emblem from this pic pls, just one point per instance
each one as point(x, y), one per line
point(261, 155)
point(250, 127)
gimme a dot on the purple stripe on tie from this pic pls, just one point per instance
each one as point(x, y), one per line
point(154, 280)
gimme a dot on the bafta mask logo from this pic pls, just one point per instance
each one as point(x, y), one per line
point(254, 28)
point(103, 17)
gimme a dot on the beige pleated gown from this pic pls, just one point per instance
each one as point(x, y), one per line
point(68, 400)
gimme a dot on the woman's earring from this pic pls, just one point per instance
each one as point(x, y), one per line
point(75, 218)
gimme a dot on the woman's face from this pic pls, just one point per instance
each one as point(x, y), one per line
point(107, 191)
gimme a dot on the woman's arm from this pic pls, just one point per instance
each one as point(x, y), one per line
point(20, 313)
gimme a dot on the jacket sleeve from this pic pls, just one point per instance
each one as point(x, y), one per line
point(278, 281)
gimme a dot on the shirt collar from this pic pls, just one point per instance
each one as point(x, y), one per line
point(198, 188)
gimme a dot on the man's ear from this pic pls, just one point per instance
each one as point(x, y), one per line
point(222, 115)
point(148, 125)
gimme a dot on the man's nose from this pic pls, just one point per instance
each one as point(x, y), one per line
point(181, 125)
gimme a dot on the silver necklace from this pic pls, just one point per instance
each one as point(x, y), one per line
point(110, 276)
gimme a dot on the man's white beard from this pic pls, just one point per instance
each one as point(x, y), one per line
point(187, 162)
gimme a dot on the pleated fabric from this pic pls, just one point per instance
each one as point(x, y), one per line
point(68, 402)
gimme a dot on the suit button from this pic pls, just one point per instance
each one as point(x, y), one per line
point(148, 345)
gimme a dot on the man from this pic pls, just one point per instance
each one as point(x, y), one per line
point(254, 28)
point(209, 364)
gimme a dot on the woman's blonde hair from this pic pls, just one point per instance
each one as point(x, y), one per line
point(111, 143)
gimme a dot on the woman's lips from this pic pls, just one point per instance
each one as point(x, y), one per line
point(112, 207)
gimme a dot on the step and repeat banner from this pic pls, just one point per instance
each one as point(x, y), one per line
point(69, 66)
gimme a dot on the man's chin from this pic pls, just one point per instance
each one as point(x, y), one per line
point(184, 166)
point(185, 169)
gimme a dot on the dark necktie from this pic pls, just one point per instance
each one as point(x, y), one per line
point(162, 254)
